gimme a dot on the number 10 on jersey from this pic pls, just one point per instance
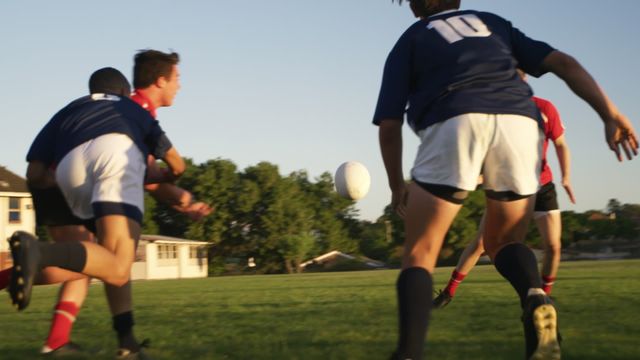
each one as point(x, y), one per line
point(459, 27)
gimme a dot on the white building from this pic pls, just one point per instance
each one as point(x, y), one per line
point(164, 257)
point(16, 211)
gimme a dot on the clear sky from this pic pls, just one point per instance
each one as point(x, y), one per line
point(295, 82)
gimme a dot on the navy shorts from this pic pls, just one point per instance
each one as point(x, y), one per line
point(52, 209)
point(546, 198)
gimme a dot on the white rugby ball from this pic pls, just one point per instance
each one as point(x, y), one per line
point(352, 180)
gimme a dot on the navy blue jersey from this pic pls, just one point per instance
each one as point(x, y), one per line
point(459, 62)
point(95, 115)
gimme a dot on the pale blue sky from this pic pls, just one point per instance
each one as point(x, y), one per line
point(295, 82)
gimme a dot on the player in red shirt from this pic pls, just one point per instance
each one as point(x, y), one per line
point(159, 73)
point(546, 211)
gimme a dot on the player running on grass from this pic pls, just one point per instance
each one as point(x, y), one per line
point(546, 212)
point(155, 68)
point(99, 144)
point(156, 74)
point(53, 212)
point(457, 71)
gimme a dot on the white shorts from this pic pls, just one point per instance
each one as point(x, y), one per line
point(104, 176)
point(506, 149)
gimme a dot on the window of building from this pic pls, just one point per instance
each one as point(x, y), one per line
point(14, 210)
point(167, 251)
point(196, 252)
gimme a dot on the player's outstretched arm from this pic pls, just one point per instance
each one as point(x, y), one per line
point(180, 200)
point(564, 160)
point(176, 168)
point(390, 138)
point(619, 133)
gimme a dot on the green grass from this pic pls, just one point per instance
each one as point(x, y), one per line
point(349, 315)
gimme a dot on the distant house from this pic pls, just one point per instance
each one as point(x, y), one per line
point(596, 215)
point(339, 261)
point(164, 257)
point(16, 211)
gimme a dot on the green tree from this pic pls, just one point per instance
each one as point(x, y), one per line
point(294, 250)
point(331, 214)
point(613, 206)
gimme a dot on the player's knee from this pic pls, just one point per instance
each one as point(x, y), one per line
point(120, 274)
point(119, 279)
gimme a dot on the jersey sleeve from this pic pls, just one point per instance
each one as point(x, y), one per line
point(529, 52)
point(555, 128)
point(396, 81)
point(157, 141)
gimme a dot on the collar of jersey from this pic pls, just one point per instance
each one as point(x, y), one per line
point(443, 12)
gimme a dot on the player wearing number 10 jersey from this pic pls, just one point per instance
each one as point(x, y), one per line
point(456, 71)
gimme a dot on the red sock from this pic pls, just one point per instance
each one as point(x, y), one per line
point(456, 279)
point(547, 283)
point(63, 318)
point(5, 276)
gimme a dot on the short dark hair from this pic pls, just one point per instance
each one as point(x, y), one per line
point(429, 7)
point(150, 65)
point(109, 81)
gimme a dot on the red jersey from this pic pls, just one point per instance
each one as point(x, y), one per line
point(144, 101)
point(553, 129)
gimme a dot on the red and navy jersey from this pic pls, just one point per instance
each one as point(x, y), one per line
point(139, 97)
point(553, 129)
point(459, 62)
point(92, 116)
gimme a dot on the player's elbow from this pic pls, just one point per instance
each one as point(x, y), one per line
point(176, 163)
point(178, 169)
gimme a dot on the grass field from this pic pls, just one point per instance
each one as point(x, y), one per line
point(350, 315)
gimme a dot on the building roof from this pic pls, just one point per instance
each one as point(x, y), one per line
point(169, 240)
point(335, 254)
point(10, 182)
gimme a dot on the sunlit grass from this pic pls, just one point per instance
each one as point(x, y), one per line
point(350, 315)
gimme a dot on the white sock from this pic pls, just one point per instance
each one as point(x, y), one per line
point(535, 291)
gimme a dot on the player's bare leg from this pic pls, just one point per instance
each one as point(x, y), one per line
point(550, 227)
point(88, 258)
point(74, 290)
point(505, 229)
point(121, 306)
point(72, 293)
point(471, 254)
point(427, 220)
point(111, 261)
point(468, 259)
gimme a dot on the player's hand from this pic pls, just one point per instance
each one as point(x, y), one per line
point(569, 189)
point(196, 211)
point(399, 199)
point(619, 135)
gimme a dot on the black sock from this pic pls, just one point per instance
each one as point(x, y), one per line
point(123, 325)
point(70, 255)
point(414, 287)
point(517, 263)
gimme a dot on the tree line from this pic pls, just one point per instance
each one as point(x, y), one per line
point(281, 221)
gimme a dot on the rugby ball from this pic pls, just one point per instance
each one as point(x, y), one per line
point(352, 180)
